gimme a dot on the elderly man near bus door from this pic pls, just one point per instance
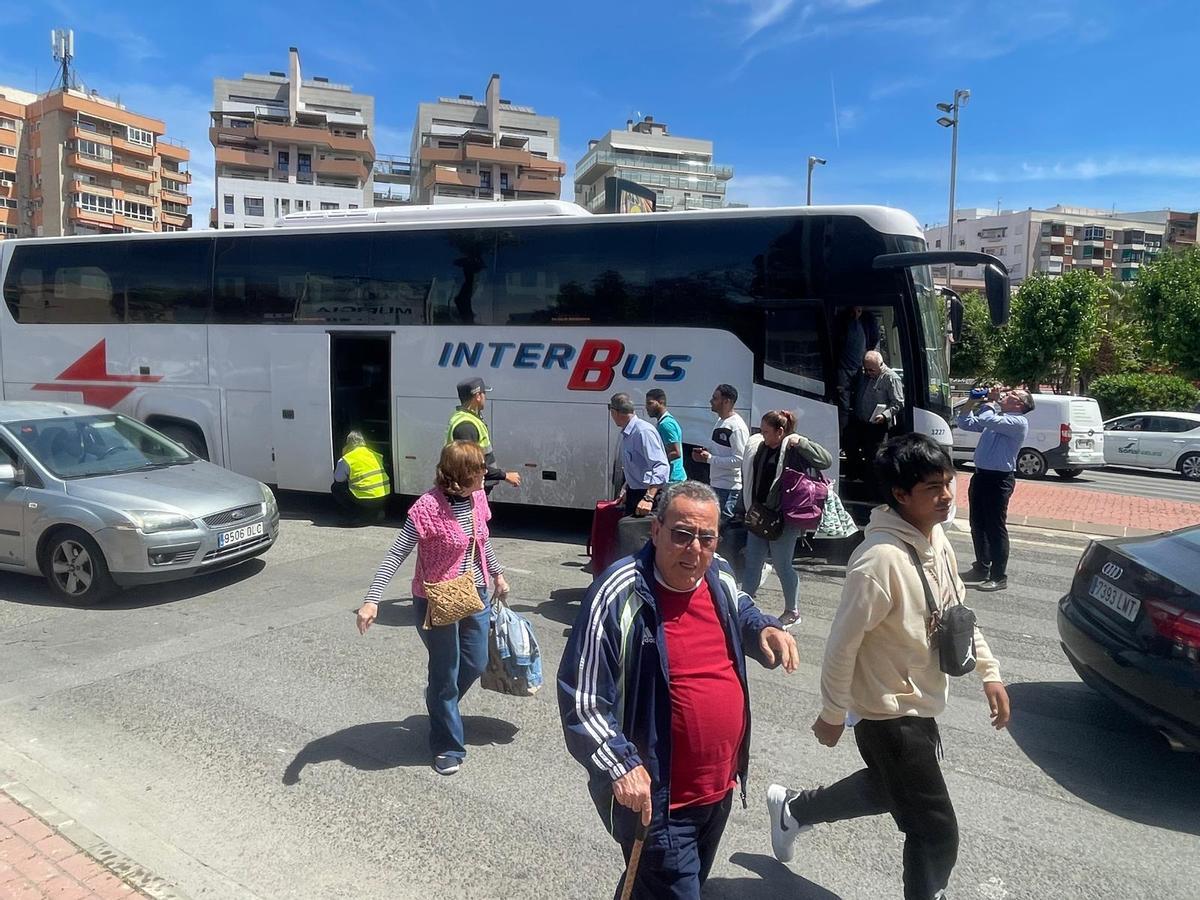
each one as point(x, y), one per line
point(669, 431)
point(466, 424)
point(360, 481)
point(878, 401)
point(643, 457)
point(857, 332)
point(1001, 419)
point(654, 698)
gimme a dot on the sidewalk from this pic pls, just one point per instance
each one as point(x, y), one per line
point(48, 855)
point(1065, 508)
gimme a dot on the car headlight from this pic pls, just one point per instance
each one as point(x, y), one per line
point(151, 521)
point(270, 506)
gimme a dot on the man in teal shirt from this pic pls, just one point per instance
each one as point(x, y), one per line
point(668, 430)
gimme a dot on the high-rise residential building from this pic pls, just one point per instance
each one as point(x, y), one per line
point(1053, 241)
point(1179, 227)
point(680, 170)
point(74, 162)
point(284, 144)
point(489, 149)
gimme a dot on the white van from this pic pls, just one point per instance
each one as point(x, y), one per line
point(1066, 434)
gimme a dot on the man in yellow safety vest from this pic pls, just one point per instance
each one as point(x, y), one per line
point(360, 482)
point(466, 424)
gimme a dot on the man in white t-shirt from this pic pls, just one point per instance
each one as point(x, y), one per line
point(729, 437)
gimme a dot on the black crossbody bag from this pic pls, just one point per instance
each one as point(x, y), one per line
point(952, 631)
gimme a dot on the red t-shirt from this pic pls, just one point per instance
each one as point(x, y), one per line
point(708, 705)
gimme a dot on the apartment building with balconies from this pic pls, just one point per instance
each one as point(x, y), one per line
point(73, 162)
point(1052, 241)
point(285, 144)
point(490, 149)
point(680, 170)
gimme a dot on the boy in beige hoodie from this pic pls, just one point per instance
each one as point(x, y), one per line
point(881, 668)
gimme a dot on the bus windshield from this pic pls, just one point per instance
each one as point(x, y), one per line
point(931, 311)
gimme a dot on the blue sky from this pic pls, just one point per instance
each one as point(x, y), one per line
point(1081, 102)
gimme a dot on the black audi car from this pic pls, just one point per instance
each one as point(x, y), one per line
point(1131, 628)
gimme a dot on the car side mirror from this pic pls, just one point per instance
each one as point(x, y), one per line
point(8, 473)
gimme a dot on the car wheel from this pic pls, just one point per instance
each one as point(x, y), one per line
point(1189, 467)
point(1031, 464)
point(190, 438)
point(1068, 473)
point(76, 569)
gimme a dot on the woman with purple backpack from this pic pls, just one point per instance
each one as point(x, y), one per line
point(775, 477)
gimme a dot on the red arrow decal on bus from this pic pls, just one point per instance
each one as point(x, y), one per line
point(93, 366)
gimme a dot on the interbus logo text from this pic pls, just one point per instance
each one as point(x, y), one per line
point(593, 366)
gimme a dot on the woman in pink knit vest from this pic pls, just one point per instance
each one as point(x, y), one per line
point(441, 526)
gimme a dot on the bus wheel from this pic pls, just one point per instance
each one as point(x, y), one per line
point(1031, 464)
point(187, 435)
point(75, 568)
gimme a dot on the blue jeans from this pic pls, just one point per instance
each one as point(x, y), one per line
point(458, 654)
point(728, 499)
point(782, 551)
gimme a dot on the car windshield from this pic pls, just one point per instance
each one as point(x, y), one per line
point(85, 446)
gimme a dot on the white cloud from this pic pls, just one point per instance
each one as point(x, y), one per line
point(849, 117)
point(894, 87)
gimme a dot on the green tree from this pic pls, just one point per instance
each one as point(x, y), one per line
point(1167, 293)
point(1052, 329)
point(1122, 344)
point(974, 354)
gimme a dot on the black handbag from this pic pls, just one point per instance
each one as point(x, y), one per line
point(952, 631)
point(765, 522)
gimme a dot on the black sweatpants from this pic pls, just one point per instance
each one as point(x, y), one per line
point(988, 498)
point(903, 778)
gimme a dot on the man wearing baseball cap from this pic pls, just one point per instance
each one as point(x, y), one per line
point(466, 424)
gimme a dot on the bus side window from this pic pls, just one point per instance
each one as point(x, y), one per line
point(795, 342)
point(81, 284)
point(169, 281)
point(433, 277)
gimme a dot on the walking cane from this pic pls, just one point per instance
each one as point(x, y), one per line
point(635, 856)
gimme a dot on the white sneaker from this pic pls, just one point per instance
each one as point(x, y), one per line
point(768, 570)
point(784, 828)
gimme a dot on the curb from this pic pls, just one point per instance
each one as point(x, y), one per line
point(1091, 528)
point(107, 856)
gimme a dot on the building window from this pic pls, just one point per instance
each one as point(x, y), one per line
point(253, 206)
point(327, 205)
point(504, 181)
point(141, 136)
point(94, 150)
point(8, 124)
point(1108, 253)
point(283, 161)
point(229, 204)
point(139, 211)
point(6, 203)
point(94, 203)
point(7, 151)
point(285, 205)
point(1071, 231)
point(937, 243)
point(1108, 235)
point(304, 163)
point(1068, 250)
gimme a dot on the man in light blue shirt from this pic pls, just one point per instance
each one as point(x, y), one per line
point(643, 457)
point(668, 430)
point(1001, 419)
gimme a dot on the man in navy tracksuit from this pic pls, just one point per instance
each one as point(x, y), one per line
point(653, 694)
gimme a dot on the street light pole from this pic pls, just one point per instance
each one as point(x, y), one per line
point(961, 96)
point(812, 161)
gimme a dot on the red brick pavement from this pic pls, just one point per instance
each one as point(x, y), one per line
point(38, 864)
point(1057, 506)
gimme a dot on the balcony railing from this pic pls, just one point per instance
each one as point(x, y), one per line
point(639, 161)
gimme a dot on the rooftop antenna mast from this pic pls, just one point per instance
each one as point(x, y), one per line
point(62, 41)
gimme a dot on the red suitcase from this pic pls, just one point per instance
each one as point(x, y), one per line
point(603, 544)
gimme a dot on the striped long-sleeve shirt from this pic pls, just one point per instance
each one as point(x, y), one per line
point(406, 542)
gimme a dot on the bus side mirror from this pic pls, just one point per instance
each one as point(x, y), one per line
point(954, 314)
point(995, 282)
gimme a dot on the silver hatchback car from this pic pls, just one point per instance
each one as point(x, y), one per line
point(96, 501)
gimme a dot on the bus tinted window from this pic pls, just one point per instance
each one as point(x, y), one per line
point(78, 283)
point(574, 274)
point(168, 281)
point(705, 270)
point(432, 277)
point(795, 342)
point(291, 278)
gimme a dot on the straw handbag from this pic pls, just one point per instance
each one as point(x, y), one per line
point(456, 598)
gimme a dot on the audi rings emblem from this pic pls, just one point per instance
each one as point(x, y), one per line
point(1112, 570)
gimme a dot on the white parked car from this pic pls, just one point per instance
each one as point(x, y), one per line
point(1066, 434)
point(1155, 440)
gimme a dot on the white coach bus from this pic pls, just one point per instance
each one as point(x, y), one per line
point(260, 349)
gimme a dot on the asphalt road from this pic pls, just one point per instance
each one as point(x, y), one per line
point(1161, 484)
point(237, 736)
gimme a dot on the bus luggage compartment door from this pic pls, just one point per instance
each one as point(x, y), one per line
point(301, 427)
